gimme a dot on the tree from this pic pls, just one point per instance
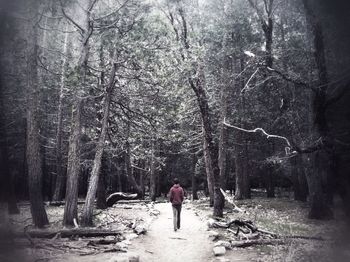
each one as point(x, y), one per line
point(73, 166)
point(33, 146)
point(319, 206)
point(60, 176)
point(87, 212)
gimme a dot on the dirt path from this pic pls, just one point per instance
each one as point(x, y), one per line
point(161, 243)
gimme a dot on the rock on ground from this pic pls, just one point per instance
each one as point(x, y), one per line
point(219, 251)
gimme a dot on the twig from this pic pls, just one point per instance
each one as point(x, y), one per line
point(289, 79)
point(250, 79)
point(179, 238)
point(82, 31)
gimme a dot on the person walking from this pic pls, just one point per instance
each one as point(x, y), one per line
point(176, 196)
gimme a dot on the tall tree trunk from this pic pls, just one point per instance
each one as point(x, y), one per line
point(119, 173)
point(33, 145)
point(128, 167)
point(298, 178)
point(242, 181)
point(209, 146)
point(141, 178)
point(73, 165)
point(101, 202)
point(87, 212)
point(319, 205)
point(198, 86)
point(6, 176)
point(270, 181)
point(153, 175)
point(270, 176)
point(223, 115)
point(208, 169)
point(193, 179)
point(60, 176)
point(242, 176)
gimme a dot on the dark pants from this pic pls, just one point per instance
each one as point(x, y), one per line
point(176, 216)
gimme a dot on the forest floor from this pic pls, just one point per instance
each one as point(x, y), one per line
point(192, 242)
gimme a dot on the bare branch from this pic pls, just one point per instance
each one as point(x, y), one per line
point(259, 129)
point(71, 20)
point(250, 79)
point(289, 79)
point(92, 5)
point(113, 12)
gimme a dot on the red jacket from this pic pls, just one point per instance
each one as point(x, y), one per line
point(176, 195)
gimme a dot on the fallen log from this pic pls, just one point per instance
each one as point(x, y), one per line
point(243, 223)
point(137, 201)
point(64, 233)
point(102, 242)
point(115, 197)
point(62, 203)
point(248, 243)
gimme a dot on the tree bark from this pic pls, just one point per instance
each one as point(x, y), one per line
point(128, 167)
point(153, 175)
point(270, 181)
point(73, 165)
point(319, 206)
point(242, 181)
point(242, 176)
point(6, 176)
point(7, 186)
point(208, 170)
point(87, 212)
point(101, 193)
point(298, 179)
point(60, 176)
point(222, 127)
point(209, 146)
point(33, 145)
point(193, 179)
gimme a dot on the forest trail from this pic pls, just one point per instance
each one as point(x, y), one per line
point(161, 243)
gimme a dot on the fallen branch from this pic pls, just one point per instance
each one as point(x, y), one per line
point(137, 201)
point(241, 223)
point(249, 225)
point(248, 243)
point(114, 249)
point(179, 238)
point(62, 203)
point(102, 242)
point(231, 201)
point(64, 233)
